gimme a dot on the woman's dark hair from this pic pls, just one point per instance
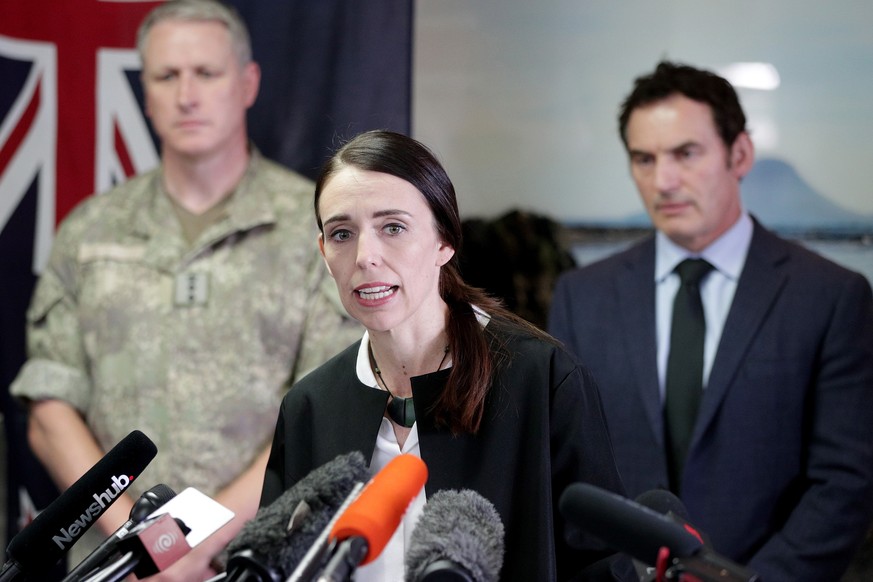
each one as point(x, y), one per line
point(461, 405)
point(703, 86)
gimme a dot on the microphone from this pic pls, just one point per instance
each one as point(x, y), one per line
point(165, 536)
point(269, 546)
point(151, 547)
point(458, 538)
point(663, 502)
point(146, 504)
point(316, 555)
point(365, 527)
point(666, 503)
point(50, 535)
point(641, 532)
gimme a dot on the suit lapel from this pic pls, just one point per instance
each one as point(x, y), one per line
point(760, 283)
point(635, 289)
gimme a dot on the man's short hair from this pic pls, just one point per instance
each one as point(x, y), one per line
point(697, 84)
point(199, 11)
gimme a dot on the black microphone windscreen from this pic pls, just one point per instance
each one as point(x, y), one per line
point(149, 501)
point(625, 525)
point(45, 541)
point(322, 492)
point(457, 528)
point(663, 502)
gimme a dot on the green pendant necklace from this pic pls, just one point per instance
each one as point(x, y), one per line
point(400, 410)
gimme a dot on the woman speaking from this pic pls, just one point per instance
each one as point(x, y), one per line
point(489, 402)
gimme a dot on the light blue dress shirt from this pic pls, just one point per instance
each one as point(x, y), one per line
point(728, 255)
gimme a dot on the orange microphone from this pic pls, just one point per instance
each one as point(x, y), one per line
point(365, 527)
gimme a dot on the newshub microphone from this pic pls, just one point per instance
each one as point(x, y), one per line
point(45, 541)
point(641, 532)
point(146, 504)
point(275, 541)
point(458, 538)
point(366, 526)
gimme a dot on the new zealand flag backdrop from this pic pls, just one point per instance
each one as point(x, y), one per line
point(72, 124)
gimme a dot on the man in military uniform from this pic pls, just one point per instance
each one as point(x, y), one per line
point(185, 301)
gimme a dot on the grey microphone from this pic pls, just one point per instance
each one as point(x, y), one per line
point(458, 538)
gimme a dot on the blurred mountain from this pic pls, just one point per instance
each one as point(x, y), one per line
point(776, 194)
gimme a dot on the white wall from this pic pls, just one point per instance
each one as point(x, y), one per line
point(519, 97)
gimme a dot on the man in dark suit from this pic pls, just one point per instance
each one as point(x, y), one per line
point(772, 449)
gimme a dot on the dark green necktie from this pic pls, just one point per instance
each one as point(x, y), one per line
point(684, 382)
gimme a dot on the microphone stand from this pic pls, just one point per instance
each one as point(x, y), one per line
point(117, 570)
point(10, 571)
point(312, 561)
point(703, 566)
point(349, 553)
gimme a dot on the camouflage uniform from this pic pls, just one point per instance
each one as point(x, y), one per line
point(192, 344)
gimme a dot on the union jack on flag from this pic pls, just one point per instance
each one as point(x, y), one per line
point(71, 124)
point(71, 118)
